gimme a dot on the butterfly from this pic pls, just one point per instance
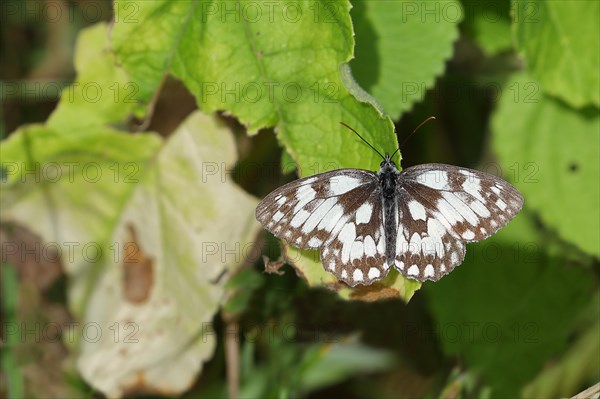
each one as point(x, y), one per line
point(416, 220)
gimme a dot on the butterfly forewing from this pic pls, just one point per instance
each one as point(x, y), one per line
point(308, 211)
point(474, 203)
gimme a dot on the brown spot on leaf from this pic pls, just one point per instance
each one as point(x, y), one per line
point(138, 270)
point(374, 292)
point(370, 293)
point(137, 386)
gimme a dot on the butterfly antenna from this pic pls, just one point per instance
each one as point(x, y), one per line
point(413, 132)
point(361, 137)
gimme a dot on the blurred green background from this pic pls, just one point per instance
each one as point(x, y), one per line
point(514, 86)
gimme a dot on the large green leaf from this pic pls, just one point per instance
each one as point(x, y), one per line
point(503, 303)
point(268, 64)
point(560, 41)
point(148, 235)
point(551, 153)
point(401, 47)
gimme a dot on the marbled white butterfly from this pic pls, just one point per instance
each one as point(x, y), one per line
point(417, 220)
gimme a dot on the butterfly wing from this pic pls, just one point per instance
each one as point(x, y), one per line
point(440, 207)
point(338, 212)
point(305, 211)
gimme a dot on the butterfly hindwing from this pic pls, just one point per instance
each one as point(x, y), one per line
point(355, 251)
point(426, 249)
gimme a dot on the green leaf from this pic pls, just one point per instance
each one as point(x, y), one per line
point(146, 37)
point(103, 93)
point(159, 248)
point(287, 163)
point(401, 47)
point(508, 306)
point(325, 365)
point(488, 22)
point(560, 41)
point(232, 57)
point(551, 154)
point(294, 369)
point(245, 279)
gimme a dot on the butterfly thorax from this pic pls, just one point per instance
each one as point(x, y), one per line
point(388, 174)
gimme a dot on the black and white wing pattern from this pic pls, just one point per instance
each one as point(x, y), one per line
point(339, 212)
point(441, 207)
point(417, 220)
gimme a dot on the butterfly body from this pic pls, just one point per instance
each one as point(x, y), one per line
point(364, 222)
point(388, 176)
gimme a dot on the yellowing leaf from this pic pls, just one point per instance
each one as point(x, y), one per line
point(160, 244)
point(103, 93)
